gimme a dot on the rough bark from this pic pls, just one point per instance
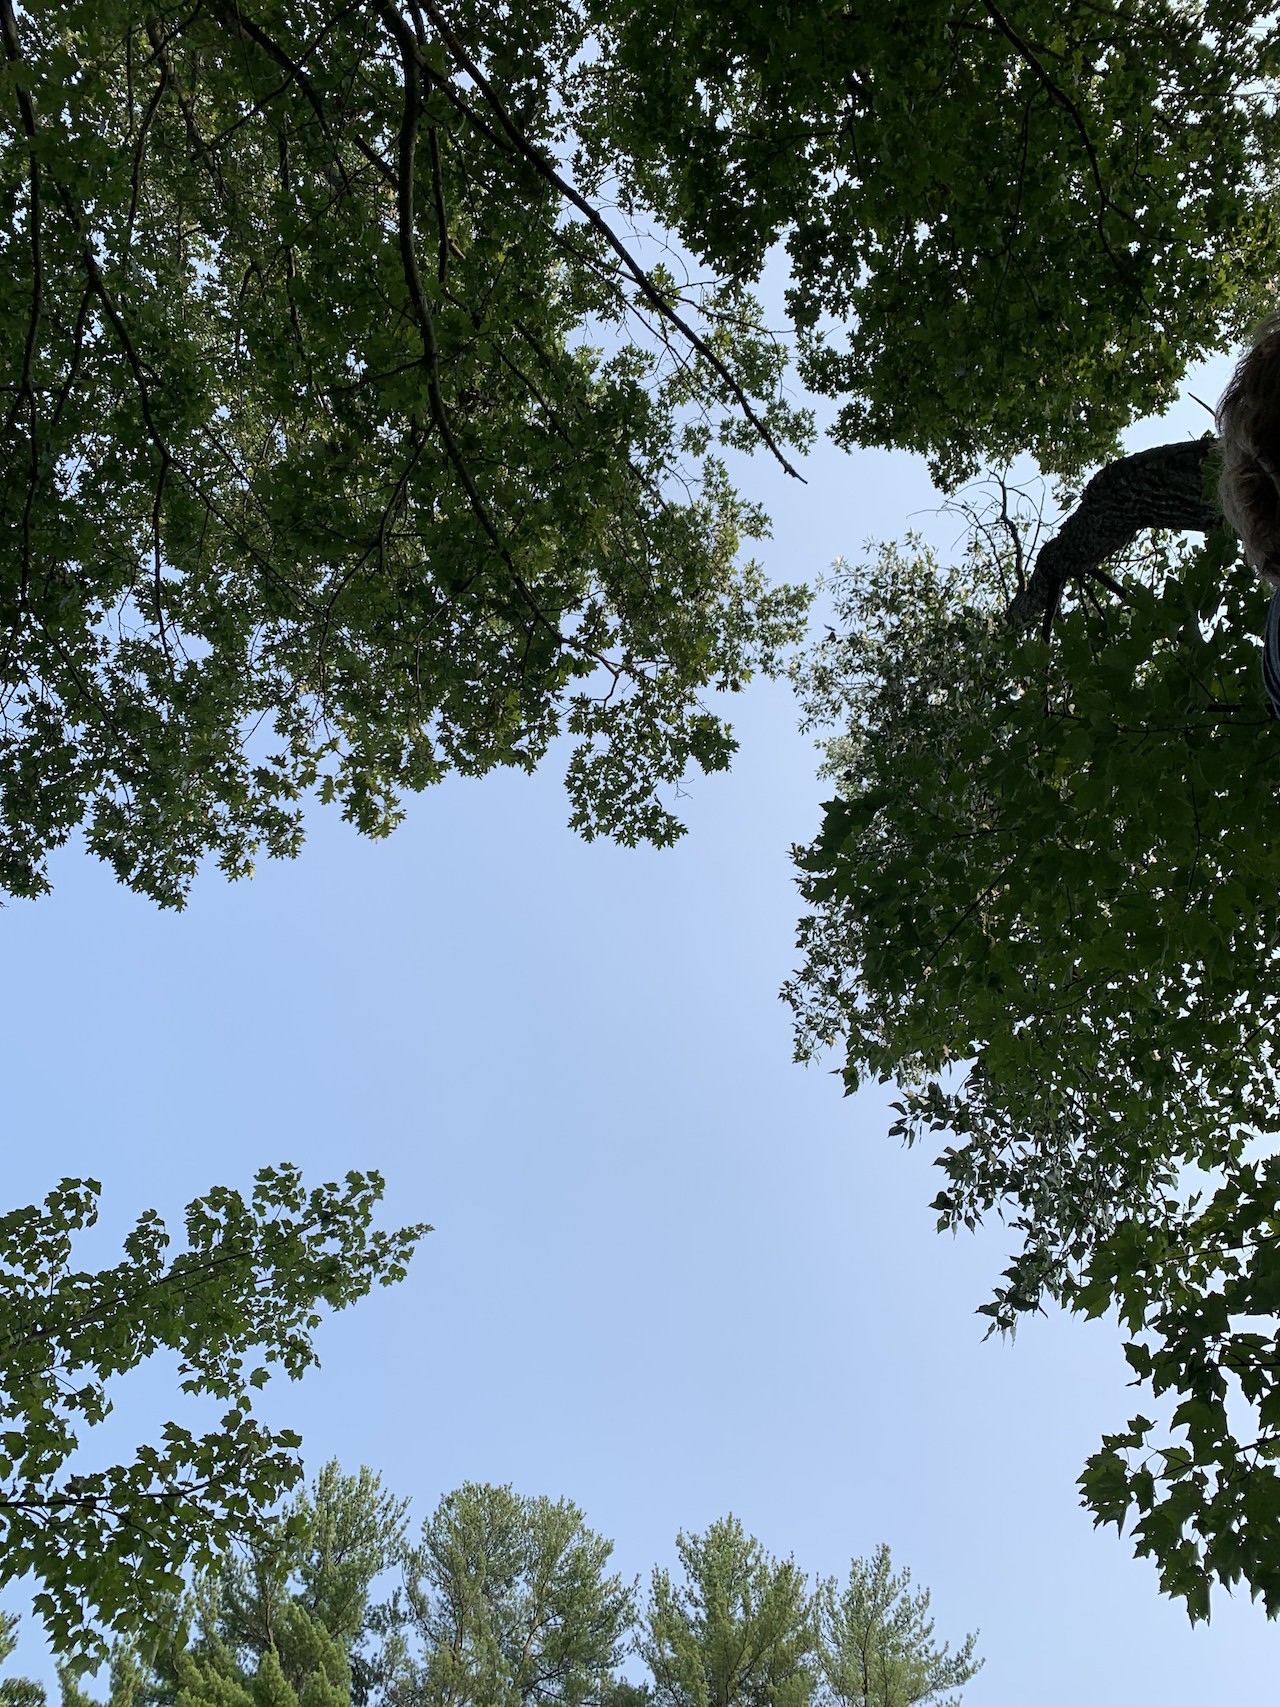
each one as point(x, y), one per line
point(1159, 488)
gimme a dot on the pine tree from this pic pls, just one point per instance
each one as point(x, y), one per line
point(287, 1624)
point(16, 1691)
point(736, 1633)
point(509, 1600)
point(875, 1641)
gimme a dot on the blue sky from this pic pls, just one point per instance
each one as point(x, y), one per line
point(673, 1274)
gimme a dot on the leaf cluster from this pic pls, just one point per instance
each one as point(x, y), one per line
point(1044, 902)
point(1007, 228)
point(108, 1546)
point(345, 444)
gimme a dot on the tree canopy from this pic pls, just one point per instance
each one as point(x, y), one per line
point(353, 434)
point(1006, 227)
point(286, 1619)
point(506, 1601)
point(875, 1641)
point(735, 1630)
point(1044, 902)
point(107, 1548)
point(368, 377)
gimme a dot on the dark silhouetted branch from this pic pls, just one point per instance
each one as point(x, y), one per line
point(1163, 488)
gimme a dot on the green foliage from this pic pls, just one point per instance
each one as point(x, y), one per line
point(280, 1624)
point(16, 1691)
point(1007, 228)
point(875, 1642)
point(506, 1604)
point(619, 1692)
point(1199, 1290)
point(330, 462)
point(1045, 902)
point(736, 1632)
point(108, 1546)
point(509, 1604)
point(348, 443)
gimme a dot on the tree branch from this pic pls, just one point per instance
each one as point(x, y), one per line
point(1163, 487)
point(547, 168)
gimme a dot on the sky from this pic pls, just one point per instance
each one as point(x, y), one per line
point(673, 1275)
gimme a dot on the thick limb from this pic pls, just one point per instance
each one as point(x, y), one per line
point(1163, 487)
